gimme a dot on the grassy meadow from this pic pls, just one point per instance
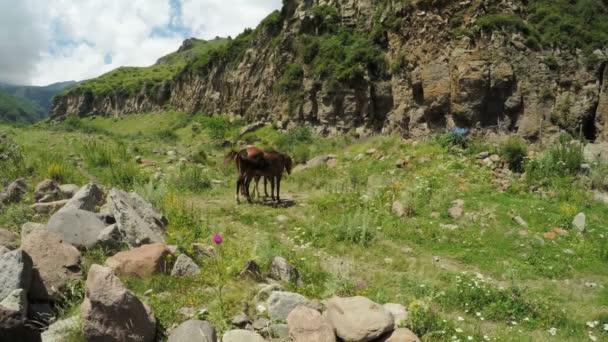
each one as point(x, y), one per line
point(478, 277)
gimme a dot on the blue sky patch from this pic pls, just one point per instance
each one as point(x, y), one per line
point(107, 59)
point(176, 26)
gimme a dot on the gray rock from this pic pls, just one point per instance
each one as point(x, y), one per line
point(315, 162)
point(9, 239)
point(185, 266)
point(398, 209)
point(580, 222)
point(14, 191)
point(60, 331)
point(483, 155)
point(29, 227)
point(251, 128)
point(282, 270)
point(16, 301)
point(78, 227)
point(16, 272)
point(596, 152)
point(251, 271)
point(457, 208)
point(358, 318)
point(46, 189)
point(241, 320)
point(280, 304)
point(600, 196)
point(88, 198)
point(520, 221)
point(279, 330)
point(306, 324)
point(266, 291)
point(68, 190)
point(193, 331)
point(260, 324)
point(107, 308)
point(240, 335)
point(399, 313)
point(48, 208)
point(137, 220)
point(14, 327)
point(109, 236)
point(4, 250)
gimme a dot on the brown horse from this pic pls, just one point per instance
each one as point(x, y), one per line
point(253, 163)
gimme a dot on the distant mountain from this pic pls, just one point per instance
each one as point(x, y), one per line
point(15, 109)
point(41, 96)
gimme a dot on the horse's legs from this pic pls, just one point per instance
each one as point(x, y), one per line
point(265, 187)
point(279, 189)
point(272, 188)
point(238, 185)
point(247, 184)
point(257, 190)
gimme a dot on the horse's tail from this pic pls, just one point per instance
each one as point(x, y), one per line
point(230, 157)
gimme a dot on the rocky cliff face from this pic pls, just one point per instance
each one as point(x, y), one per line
point(432, 78)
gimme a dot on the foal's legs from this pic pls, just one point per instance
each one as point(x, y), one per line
point(265, 188)
point(247, 184)
point(278, 189)
point(272, 187)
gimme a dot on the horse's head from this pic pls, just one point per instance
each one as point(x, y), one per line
point(288, 163)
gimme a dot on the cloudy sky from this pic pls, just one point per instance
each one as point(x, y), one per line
point(47, 41)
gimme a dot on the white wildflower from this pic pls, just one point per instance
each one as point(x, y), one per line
point(553, 331)
point(460, 319)
point(470, 338)
point(593, 324)
point(458, 330)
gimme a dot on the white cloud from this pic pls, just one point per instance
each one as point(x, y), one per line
point(46, 41)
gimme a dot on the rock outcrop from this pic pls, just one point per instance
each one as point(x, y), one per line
point(141, 261)
point(358, 318)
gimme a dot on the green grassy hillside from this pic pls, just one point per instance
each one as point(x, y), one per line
point(18, 110)
point(41, 95)
point(481, 275)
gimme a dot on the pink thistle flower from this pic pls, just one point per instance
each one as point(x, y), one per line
point(217, 238)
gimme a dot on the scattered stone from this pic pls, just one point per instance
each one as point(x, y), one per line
point(57, 263)
point(315, 162)
point(520, 221)
point(435, 214)
point(46, 188)
point(172, 249)
point(14, 191)
point(550, 235)
point(448, 226)
point(9, 239)
point(401, 163)
point(61, 330)
point(590, 285)
point(358, 318)
point(400, 335)
point(251, 128)
point(306, 325)
point(48, 208)
point(171, 153)
point(457, 208)
point(204, 250)
point(483, 155)
point(16, 301)
point(579, 222)
point(260, 324)
point(193, 331)
point(282, 270)
point(399, 313)
point(16, 272)
point(241, 320)
point(436, 259)
point(371, 151)
point(3, 250)
point(141, 261)
point(109, 237)
point(266, 291)
point(280, 304)
point(148, 292)
point(600, 196)
point(187, 312)
point(137, 220)
point(495, 158)
point(88, 198)
point(241, 335)
point(78, 227)
point(184, 266)
point(109, 306)
point(398, 209)
point(138, 159)
point(560, 231)
point(332, 163)
point(29, 227)
point(251, 271)
point(279, 330)
point(282, 218)
point(14, 327)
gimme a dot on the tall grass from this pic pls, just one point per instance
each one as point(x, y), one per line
point(563, 159)
point(514, 150)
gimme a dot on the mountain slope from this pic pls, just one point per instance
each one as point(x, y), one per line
point(42, 96)
point(15, 109)
point(531, 67)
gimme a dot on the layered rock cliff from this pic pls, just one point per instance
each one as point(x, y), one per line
point(384, 65)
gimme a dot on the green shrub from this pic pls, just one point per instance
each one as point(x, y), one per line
point(191, 178)
point(97, 153)
point(273, 23)
point(291, 82)
point(599, 177)
point(561, 160)
point(166, 135)
point(217, 127)
point(11, 159)
point(514, 150)
point(425, 322)
point(326, 18)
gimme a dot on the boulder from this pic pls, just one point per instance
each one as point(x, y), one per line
point(280, 304)
point(78, 227)
point(399, 313)
point(16, 301)
point(56, 263)
point(241, 320)
point(193, 331)
point(110, 312)
point(184, 266)
point(251, 128)
point(315, 162)
point(48, 208)
point(279, 331)
point(3, 250)
point(29, 227)
point(9, 239)
point(282, 270)
point(109, 237)
point(14, 191)
point(358, 318)
point(398, 209)
point(141, 261)
point(68, 190)
point(579, 222)
point(240, 335)
point(61, 330)
point(457, 208)
point(15, 272)
point(306, 325)
point(400, 335)
point(266, 291)
point(137, 221)
point(202, 250)
point(88, 198)
point(14, 327)
point(48, 190)
point(597, 152)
